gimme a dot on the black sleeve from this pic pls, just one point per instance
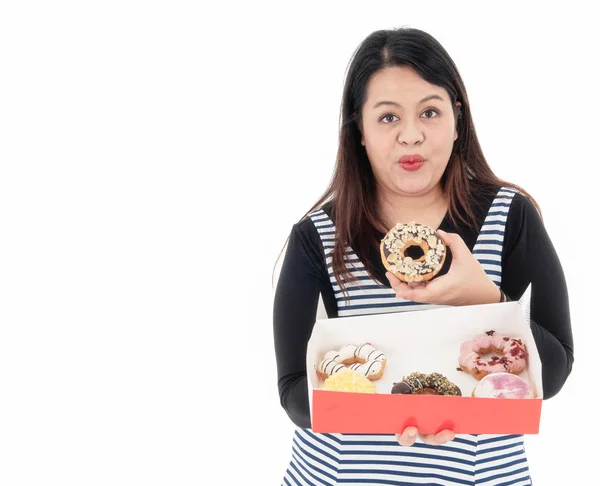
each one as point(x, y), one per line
point(529, 256)
point(301, 280)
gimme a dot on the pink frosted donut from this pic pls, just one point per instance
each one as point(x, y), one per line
point(512, 359)
point(502, 385)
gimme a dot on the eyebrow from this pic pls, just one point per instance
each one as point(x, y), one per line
point(427, 98)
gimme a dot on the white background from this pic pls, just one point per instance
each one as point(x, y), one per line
point(154, 157)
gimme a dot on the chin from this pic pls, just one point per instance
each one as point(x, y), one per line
point(414, 188)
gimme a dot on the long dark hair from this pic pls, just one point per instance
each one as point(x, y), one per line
point(352, 187)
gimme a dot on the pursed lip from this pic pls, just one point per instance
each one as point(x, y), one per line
point(411, 159)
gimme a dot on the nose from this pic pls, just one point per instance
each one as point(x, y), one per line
point(410, 134)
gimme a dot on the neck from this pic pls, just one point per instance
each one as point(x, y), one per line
point(429, 208)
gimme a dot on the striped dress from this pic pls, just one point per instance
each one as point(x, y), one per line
point(331, 459)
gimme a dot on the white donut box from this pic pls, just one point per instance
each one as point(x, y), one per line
point(424, 341)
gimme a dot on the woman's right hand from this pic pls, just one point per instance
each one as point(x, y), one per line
point(409, 436)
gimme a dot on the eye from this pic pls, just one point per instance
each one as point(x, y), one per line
point(433, 113)
point(389, 118)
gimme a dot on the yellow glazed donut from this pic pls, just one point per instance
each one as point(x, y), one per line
point(349, 381)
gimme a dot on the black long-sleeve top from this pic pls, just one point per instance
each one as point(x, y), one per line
point(528, 256)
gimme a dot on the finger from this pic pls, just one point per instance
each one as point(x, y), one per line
point(454, 242)
point(427, 439)
point(438, 439)
point(456, 245)
point(408, 437)
point(447, 238)
point(444, 436)
point(416, 294)
point(394, 281)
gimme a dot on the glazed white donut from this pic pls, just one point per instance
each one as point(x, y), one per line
point(364, 358)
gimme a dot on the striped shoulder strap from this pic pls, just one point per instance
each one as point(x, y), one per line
point(488, 248)
point(326, 231)
point(325, 228)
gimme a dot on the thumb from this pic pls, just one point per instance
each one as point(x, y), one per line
point(454, 242)
point(419, 293)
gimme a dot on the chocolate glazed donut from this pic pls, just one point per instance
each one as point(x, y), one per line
point(413, 252)
point(426, 384)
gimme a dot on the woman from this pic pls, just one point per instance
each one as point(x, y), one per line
point(408, 152)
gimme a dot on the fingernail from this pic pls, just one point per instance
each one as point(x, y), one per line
point(412, 433)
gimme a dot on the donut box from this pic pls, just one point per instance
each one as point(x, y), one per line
point(420, 343)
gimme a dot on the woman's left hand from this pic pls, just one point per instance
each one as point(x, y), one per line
point(466, 283)
point(409, 437)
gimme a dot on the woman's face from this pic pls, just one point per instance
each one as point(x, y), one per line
point(404, 115)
